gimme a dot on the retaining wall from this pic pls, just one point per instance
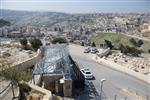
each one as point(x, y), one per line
point(31, 61)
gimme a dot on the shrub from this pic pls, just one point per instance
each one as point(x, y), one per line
point(140, 42)
point(82, 43)
point(24, 43)
point(136, 43)
point(59, 40)
point(148, 50)
point(93, 44)
point(35, 43)
point(129, 50)
point(108, 44)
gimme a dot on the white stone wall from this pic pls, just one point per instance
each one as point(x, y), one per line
point(31, 61)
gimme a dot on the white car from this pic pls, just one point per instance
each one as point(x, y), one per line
point(87, 74)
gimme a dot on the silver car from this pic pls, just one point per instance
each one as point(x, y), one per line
point(93, 50)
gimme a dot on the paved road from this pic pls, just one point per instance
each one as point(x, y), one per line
point(117, 83)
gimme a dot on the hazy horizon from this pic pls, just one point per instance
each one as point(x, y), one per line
point(83, 6)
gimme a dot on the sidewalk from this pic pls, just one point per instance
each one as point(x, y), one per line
point(123, 69)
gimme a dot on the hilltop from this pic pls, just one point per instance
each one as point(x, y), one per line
point(33, 18)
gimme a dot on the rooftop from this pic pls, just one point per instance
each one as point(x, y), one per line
point(55, 61)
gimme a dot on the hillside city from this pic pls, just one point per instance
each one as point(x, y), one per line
point(62, 56)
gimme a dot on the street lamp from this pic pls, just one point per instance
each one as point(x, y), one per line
point(102, 81)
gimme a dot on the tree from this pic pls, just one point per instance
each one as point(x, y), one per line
point(4, 66)
point(55, 29)
point(93, 44)
point(24, 43)
point(133, 51)
point(108, 44)
point(87, 32)
point(60, 29)
point(133, 41)
point(14, 74)
point(136, 43)
point(139, 43)
point(123, 49)
point(59, 40)
point(82, 43)
point(35, 43)
point(148, 50)
point(129, 50)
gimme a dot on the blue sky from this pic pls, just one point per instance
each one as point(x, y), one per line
point(78, 6)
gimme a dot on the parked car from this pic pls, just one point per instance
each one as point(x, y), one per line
point(87, 74)
point(87, 50)
point(93, 50)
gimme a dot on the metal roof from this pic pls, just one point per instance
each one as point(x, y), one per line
point(55, 61)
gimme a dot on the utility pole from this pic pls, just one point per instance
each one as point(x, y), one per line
point(125, 98)
point(115, 97)
point(102, 81)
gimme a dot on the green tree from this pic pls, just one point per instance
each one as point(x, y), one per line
point(35, 43)
point(59, 40)
point(129, 50)
point(133, 51)
point(82, 43)
point(14, 74)
point(24, 43)
point(133, 41)
point(123, 49)
point(108, 44)
point(148, 50)
point(136, 43)
point(139, 43)
point(93, 44)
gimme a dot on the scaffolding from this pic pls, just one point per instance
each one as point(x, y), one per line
point(55, 61)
